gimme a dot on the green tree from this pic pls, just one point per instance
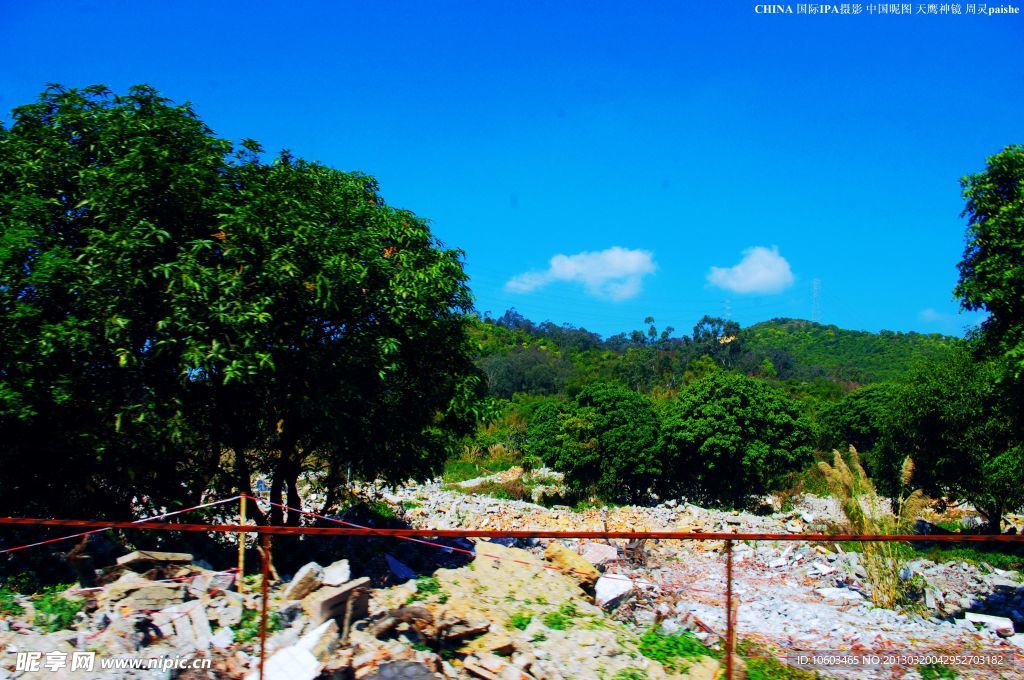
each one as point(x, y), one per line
point(169, 304)
point(858, 419)
point(992, 269)
point(606, 442)
point(958, 420)
point(728, 438)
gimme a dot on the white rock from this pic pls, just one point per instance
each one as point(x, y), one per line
point(321, 641)
point(307, 579)
point(1016, 640)
point(223, 638)
point(337, 573)
point(1002, 626)
point(840, 594)
point(291, 663)
point(599, 553)
point(611, 589)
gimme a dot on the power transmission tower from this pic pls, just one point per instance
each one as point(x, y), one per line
point(816, 301)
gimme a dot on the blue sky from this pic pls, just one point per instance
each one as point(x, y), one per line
point(600, 162)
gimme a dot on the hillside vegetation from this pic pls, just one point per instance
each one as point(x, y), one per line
point(855, 356)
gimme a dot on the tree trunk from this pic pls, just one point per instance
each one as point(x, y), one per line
point(276, 498)
point(994, 519)
point(294, 501)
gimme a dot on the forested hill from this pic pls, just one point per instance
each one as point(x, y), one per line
point(857, 356)
point(521, 356)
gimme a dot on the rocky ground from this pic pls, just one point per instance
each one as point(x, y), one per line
point(530, 609)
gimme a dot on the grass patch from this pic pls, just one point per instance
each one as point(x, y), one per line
point(9, 605)
point(520, 620)
point(763, 666)
point(936, 671)
point(630, 674)
point(994, 558)
point(674, 651)
point(476, 462)
point(428, 586)
point(562, 618)
point(248, 629)
point(54, 611)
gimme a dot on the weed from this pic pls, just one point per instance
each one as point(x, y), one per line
point(520, 620)
point(541, 599)
point(561, 619)
point(936, 671)
point(8, 604)
point(764, 666)
point(428, 585)
point(539, 637)
point(630, 674)
point(248, 629)
point(54, 611)
point(675, 651)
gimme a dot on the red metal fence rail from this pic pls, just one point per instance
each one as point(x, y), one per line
point(266, 531)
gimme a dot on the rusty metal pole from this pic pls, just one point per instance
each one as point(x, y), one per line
point(265, 596)
point(729, 622)
point(239, 582)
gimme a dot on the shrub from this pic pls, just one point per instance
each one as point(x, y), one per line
point(729, 438)
point(607, 443)
point(54, 611)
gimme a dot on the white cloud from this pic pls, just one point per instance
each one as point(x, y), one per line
point(612, 274)
point(762, 270)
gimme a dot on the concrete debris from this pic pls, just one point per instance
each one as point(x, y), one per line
point(571, 564)
point(291, 663)
point(306, 580)
point(337, 573)
point(611, 590)
point(148, 558)
point(1002, 626)
point(333, 601)
point(517, 610)
point(599, 554)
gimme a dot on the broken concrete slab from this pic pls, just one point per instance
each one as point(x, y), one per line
point(322, 640)
point(840, 594)
point(306, 580)
point(332, 601)
point(291, 663)
point(187, 621)
point(611, 590)
point(571, 564)
point(337, 573)
point(1002, 626)
point(492, 667)
point(599, 553)
point(149, 557)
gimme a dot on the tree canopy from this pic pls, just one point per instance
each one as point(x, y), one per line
point(992, 268)
point(606, 441)
point(728, 438)
point(959, 421)
point(180, 311)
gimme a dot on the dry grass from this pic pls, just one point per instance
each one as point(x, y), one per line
point(870, 514)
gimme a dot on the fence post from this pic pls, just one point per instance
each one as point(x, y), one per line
point(265, 596)
point(730, 623)
point(240, 584)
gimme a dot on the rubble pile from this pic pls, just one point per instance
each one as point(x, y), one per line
point(522, 609)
